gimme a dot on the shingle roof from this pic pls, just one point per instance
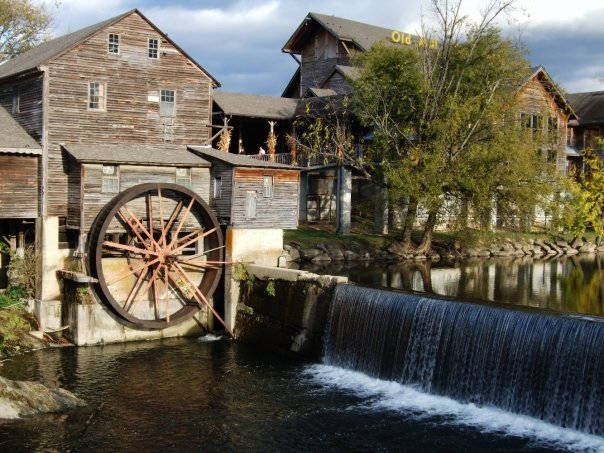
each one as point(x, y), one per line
point(361, 34)
point(555, 92)
point(235, 159)
point(255, 106)
point(49, 50)
point(13, 138)
point(152, 155)
point(589, 106)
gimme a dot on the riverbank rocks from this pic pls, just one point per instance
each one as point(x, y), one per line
point(23, 398)
point(323, 253)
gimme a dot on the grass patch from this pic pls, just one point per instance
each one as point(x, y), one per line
point(308, 236)
point(15, 325)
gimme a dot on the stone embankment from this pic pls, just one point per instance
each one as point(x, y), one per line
point(324, 253)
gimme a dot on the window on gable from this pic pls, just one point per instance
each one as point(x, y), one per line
point(111, 179)
point(97, 96)
point(552, 129)
point(183, 177)
point(533, 122)
point(113, 43)
point(153, 48)
point(217, 186)
point(167, 103)
point(16, 99)
point(267, 187)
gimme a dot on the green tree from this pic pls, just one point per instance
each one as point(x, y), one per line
point(23, 25)
point(583, 204)
point(443, 118)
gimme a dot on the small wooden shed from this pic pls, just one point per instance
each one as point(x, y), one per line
point(251, 193)
point(97, 173)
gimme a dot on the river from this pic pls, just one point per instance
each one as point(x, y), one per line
point(205, 395)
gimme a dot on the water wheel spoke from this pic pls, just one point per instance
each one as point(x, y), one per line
point(140, 296)
point(200, 264)
point(168, 227)
point(162, 239)
point(156, 300)
point(140, 224)
point(150, 213)
point(201, 296)
point(129, 272)
point(199, 255)
point(129, 248)
point(133, 227)
point(134, 290)
point(182, 223)
point(191, 238)
point(167, 292)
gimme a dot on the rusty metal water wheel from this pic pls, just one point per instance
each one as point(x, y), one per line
point(157, 252)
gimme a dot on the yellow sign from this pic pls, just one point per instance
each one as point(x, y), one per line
point(407, 39)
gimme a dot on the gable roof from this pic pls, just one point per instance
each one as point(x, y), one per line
point(13, 138)
point(150, 155)
point(31, 60)
point(255, 106)
point(541, 74)
point(361, 34)
point(236, 160)
point(589, 106)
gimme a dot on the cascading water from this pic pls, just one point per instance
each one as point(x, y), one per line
point(547, 366)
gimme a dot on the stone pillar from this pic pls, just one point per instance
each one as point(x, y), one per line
point(344, 200)
point(258, 246)
point(50, 260)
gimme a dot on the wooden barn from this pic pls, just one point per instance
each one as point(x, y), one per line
point(251, 193)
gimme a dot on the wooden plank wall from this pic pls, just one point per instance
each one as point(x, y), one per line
point(130, 175)
point(133, 86)
point(18, 186)
point(222, 205)
point(319, 57)
point(278, 211)
point(534, 99)
point(30, 115)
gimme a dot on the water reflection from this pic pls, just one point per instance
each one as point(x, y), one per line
point(569, 283)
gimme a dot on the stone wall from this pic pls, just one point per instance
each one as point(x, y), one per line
point(283, 308)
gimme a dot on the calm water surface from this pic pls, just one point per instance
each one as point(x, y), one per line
point(566, 284)
point(187, 395)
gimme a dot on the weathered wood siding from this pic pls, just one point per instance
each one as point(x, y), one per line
point(133, 83)
point(222, 205)
point(129, 175)
point(29, 113)
point(338, 83)
point(18, 186)
point(534, 99)
point(319, 56)
point(278, 211)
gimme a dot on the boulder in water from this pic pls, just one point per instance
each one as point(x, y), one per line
point(22, 398)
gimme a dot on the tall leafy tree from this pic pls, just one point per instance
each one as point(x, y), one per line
point(443, 118)
point(23, 25)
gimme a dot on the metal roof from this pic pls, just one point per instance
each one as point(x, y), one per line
point(589, 107)
point(255, 106)
point(237, 160)
point(13, 138)
point(151, 155)
point(361, 34)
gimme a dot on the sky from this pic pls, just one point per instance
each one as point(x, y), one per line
point(239, 42)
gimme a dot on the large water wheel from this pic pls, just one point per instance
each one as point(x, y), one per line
point(157, 253)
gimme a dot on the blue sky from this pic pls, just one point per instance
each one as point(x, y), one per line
point(239, 41)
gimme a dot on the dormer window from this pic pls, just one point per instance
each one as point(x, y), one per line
point(113, 43)
point(153, 48)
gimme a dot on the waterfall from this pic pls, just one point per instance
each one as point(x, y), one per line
point(548, 366)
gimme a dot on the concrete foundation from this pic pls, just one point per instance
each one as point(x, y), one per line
point(258, 246)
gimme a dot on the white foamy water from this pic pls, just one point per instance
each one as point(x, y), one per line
point(392, 396)
point(209, 337)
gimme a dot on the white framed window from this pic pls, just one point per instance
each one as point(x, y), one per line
point(217, 186)
point(183, 177)
point(113, 43)
point(250, 204)
point(153, 48)
point(97, 99)
point(167, 103)
point(111, 179)
point(267, 187)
